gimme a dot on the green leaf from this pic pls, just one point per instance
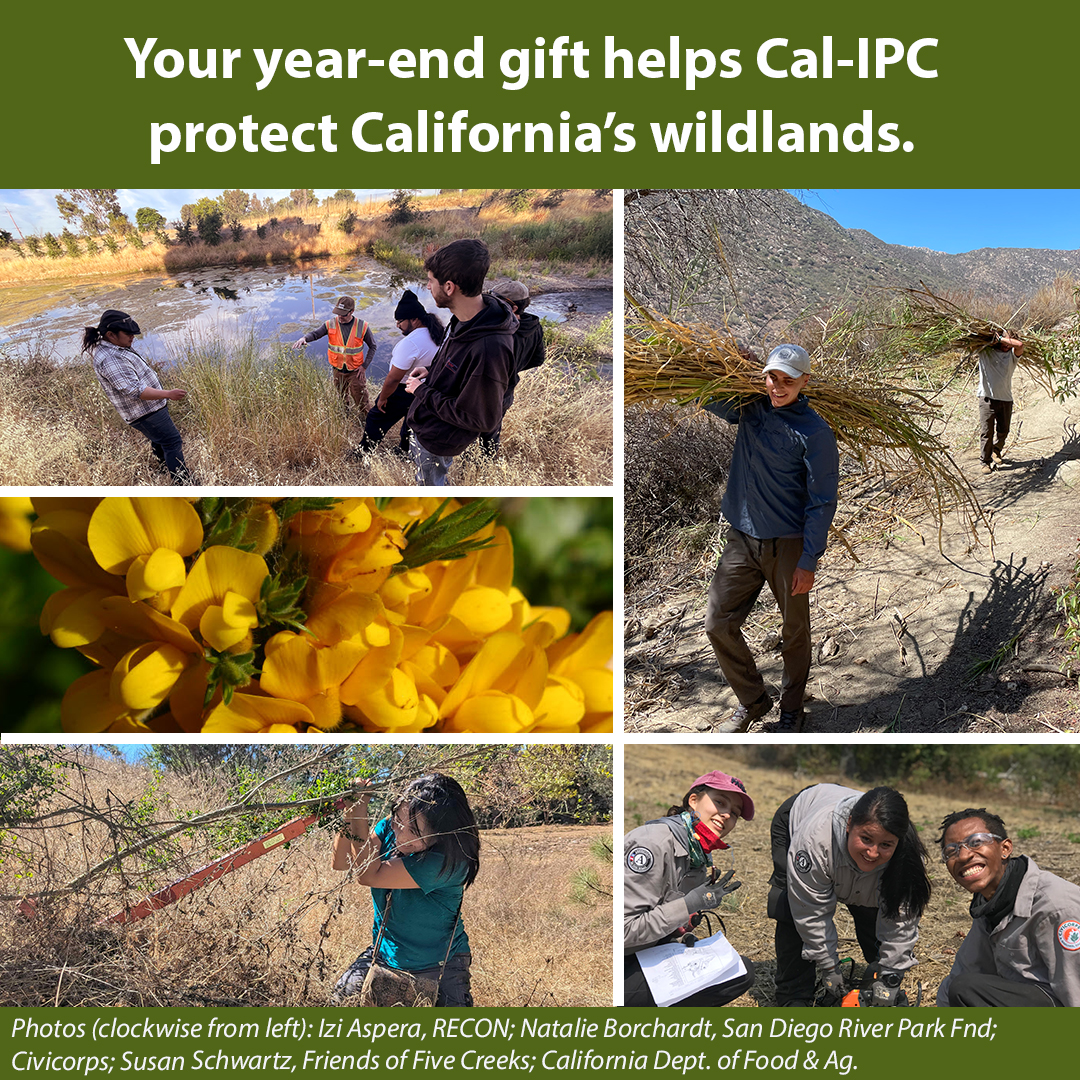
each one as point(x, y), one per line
point(442, 538)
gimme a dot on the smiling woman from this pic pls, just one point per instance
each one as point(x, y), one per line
point(830, 844)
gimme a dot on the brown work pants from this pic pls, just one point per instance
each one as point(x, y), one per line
point(993, 414)
point(352, 386)
point(744, 568)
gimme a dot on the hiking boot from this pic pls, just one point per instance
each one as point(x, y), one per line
point(998, 458)
point(791, 722)
point(744, 716)
point(987, 468)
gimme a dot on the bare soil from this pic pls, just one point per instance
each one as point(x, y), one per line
point(657, 776)
point(910, 638)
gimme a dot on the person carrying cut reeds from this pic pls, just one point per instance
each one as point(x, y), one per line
point(350, 348)
point(997, 362)
point(780, 500)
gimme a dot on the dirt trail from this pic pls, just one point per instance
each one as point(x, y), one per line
point(900, 637)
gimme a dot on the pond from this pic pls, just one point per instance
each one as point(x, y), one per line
point(275, 303)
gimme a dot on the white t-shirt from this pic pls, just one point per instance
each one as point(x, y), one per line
point(996, 367)
point(414, 350)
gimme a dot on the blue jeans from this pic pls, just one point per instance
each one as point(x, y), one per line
point(431, 469)
point(165, 441)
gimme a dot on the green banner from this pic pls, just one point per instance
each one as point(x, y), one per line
point(778, 95)
point(542, 1042)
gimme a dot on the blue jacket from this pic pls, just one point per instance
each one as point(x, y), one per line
point(785, 473)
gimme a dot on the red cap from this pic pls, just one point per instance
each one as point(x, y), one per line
point(720, 781)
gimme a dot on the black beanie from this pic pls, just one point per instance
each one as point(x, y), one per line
point(409, 307)
point(117, 320)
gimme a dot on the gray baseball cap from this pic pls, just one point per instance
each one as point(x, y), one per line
point(792, 360)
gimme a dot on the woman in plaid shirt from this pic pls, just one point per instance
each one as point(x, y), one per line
point(134, 388)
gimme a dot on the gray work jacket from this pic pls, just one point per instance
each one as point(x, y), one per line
point(656, 875)
point(1039, 941)
point(821, 872)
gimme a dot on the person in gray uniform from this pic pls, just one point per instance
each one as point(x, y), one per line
point(1023, 948)
point(668, 877)
point(997, 362)
point(833, 844)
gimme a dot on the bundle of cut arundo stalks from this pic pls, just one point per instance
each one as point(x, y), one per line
point(888, 429)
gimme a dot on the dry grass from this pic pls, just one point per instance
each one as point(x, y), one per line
point(658, 776)
point(255, 417)
point(281, 930)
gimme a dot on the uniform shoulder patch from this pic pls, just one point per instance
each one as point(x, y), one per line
point(802, 862)
point(639, 860)
point(1068, 934)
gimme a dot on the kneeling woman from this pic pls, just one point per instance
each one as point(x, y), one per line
point(833, 844)
point(667, 877)
point(1023, 948)
point(418, 863)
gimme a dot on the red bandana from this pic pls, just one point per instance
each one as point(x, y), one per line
point(708, 839)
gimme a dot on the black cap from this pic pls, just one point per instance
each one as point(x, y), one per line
point(117, 320)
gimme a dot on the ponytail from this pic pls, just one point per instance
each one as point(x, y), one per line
point(433, 326)
point(91, 336)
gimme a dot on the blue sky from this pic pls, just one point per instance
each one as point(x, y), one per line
point(956, 221)
point(34, 210)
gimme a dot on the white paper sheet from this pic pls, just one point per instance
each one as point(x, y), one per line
point(674, 971)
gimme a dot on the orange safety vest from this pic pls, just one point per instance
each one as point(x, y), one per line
point(346, 355)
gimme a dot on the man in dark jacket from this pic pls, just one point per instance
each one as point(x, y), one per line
point(529, 350)
point(780, 500)
point(461, 394)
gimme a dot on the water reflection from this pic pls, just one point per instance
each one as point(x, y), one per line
point(277, 304)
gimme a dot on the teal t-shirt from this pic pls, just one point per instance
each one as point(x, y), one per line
point(420, 920)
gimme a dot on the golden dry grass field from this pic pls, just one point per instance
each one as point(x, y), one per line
point(282, 929)
point(658, 777)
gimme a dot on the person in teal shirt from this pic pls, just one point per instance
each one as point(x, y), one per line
point(418, 863)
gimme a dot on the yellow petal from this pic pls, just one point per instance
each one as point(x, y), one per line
point(252, 713)
point(58, 540)
point(483, 610)
point(151, 574)
point(393, 705)
point(123, 528)
point(15, 511)
point(88, 705)
point(145, 677)
point(227, 624)
point(561, 708)
point(72, 617)
point(297, 667)
point(496, 656)
point(219, 571)
point(492, 711)
point(592, 648)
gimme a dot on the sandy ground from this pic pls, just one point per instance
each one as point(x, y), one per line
point(657, 776)
point(900, 637)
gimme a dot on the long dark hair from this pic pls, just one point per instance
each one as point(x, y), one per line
point(905, 885)
point(430, 321)
point(449, 818)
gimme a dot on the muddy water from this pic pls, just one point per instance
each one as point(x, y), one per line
point(276, 304)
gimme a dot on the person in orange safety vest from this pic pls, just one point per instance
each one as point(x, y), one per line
point(350, 348)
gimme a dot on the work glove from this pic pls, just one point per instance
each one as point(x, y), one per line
point(708, 897)
point(832, 983)
point(886, 988)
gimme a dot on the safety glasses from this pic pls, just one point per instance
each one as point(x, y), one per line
point(972, 843)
